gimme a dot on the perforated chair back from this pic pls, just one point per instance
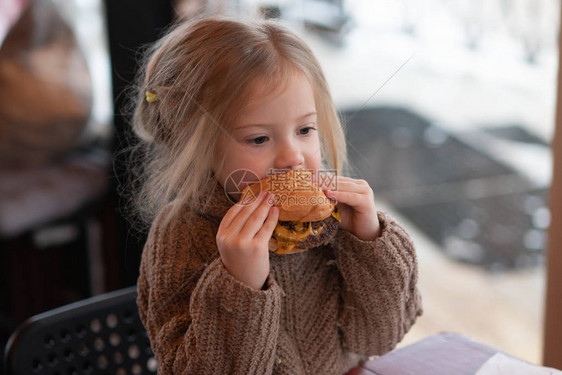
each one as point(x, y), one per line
point(99, 335)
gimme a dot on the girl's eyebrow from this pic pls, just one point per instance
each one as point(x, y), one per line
point(266, 125)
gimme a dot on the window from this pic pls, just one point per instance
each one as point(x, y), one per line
point(450, 113)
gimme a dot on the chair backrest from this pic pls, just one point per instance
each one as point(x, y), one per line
point(99, 335)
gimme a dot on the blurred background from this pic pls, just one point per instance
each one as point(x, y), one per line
point(449, 110)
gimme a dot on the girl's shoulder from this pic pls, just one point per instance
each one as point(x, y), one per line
point(178, 216)
point(173, 215)
point(178, 227)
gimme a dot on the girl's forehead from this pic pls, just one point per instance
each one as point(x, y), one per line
point(266, 88)
point(263, 88)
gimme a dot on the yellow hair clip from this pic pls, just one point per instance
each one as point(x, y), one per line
point(151, 97)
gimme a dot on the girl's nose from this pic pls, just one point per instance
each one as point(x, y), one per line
point(289, 156)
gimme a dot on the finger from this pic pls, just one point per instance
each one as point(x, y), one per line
point(352, 199)
point(231, 214)
point(352, 186)
point(264, 234)
point(256, 220)
point(238, 222)
point(333, 181)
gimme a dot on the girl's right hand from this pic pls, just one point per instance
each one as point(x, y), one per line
point(243, 237)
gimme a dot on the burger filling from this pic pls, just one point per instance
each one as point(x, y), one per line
point(305, 235)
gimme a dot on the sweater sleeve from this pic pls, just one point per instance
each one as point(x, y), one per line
point(380, 300)
point(200, 320)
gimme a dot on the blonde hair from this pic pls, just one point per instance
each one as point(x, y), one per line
point(203, 73)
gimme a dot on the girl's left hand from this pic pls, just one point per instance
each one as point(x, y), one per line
point(356, 201)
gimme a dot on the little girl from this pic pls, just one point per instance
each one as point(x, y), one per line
point(217, 96)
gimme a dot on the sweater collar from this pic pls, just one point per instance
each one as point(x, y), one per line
point(213, 202)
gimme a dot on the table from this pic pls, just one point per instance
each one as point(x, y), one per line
point(439, 354)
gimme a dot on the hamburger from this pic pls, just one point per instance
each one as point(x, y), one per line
point(307, 217)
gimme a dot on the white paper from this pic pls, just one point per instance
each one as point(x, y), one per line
point(501, 364)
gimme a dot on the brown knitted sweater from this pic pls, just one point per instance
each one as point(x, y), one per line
point(321, 312)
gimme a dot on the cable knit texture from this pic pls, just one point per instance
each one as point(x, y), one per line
point(321, 312)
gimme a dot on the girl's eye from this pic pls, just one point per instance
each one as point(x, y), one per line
point(306, 131)
point(258, 140)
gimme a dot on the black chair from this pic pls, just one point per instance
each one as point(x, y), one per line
point(99, 335)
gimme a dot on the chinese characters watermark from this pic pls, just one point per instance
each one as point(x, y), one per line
point(280, 182)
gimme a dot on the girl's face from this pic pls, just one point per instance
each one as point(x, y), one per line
point(275, 131)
